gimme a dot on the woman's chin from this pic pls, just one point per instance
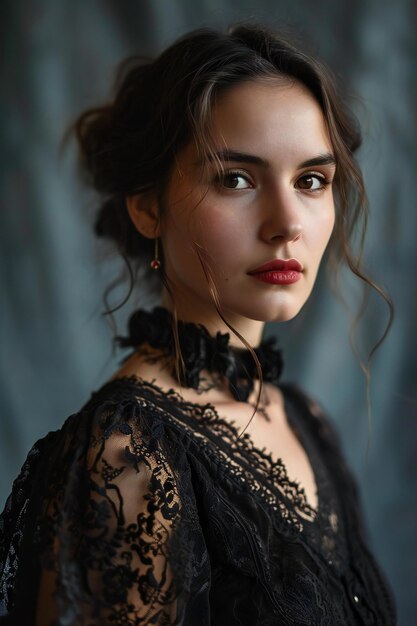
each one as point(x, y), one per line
point(282, 312)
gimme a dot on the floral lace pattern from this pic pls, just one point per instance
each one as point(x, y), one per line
point(145, 509)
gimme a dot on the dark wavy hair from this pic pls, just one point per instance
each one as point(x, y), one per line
point(130, 144)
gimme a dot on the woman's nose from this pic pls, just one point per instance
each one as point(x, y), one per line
point(289, 232)
point(282, 219)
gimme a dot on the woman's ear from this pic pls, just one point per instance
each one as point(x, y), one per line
point(143, 211)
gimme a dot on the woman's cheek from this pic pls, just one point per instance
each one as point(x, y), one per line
point(322, 228)
point(215, 226)
point(331, 217)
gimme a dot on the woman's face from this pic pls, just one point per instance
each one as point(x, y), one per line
point(274, 201)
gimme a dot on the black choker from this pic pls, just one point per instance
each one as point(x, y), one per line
point(201, 351)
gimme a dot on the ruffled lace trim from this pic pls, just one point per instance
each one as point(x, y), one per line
point(202, 352)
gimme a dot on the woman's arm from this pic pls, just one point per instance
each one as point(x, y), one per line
point(107, 558)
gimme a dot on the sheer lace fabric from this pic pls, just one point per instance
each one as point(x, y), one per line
point(144, 509)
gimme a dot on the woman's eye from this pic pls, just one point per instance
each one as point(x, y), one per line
point(312, 182)
point(234, 180)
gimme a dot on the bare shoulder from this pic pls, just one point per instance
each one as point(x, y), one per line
point(144, 366)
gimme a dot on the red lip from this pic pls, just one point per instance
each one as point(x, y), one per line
point(279, 265)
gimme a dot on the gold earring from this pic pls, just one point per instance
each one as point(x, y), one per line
point(156, 263)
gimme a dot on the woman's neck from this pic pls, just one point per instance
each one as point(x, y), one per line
point(194, 351)
point(207, 315)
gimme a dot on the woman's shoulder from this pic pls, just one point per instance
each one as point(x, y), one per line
point(124, 398)
point(146, 403)
point(121, 415)
point(123, 389)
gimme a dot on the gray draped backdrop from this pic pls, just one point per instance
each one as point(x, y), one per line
point(59, 58)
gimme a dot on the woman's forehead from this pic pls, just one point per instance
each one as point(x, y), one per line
point(268, 120)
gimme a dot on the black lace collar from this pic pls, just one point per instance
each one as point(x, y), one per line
point(201, 351)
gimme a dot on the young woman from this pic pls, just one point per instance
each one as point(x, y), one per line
point(195, 487)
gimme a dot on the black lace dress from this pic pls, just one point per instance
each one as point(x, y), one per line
point(145, 509)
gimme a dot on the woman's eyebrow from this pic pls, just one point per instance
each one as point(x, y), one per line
point(320, 159)
point(238, 157)
point(241, 157)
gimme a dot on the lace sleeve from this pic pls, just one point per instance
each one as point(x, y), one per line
point(107, 526)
